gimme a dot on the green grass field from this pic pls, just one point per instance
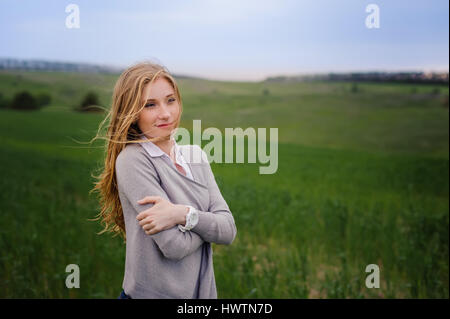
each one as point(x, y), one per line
point(362, 179)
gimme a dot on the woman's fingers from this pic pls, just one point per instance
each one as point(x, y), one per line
point(150, 199)
point(147, 200)
point(148, 226)
point(143, 214)
point(152, 229)
point(147, 218)
point(145, 221)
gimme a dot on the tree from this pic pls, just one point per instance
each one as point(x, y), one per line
point(24, 101)
point(90, 103)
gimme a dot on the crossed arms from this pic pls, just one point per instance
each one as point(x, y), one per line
point(137, 178)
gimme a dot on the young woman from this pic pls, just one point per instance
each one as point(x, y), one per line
point(158, 195)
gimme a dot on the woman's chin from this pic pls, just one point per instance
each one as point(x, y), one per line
point(163, 136)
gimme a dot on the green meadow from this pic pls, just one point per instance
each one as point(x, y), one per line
point(362, 179)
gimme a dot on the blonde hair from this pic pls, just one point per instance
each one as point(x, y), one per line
point(127, 103)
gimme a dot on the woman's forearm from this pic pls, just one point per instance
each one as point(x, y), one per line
point(218, 227)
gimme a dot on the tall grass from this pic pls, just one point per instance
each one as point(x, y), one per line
point(333, 207)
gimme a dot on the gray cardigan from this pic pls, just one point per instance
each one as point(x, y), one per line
point(171, 263)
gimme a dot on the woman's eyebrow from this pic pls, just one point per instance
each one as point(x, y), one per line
point(166, 96)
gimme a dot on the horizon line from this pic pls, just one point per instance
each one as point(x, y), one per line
point(119, 69)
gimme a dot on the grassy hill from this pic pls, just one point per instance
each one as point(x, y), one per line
point(362, 179)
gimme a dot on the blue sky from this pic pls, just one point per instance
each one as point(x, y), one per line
point(232, 39)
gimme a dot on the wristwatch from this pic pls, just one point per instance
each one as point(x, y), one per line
point(191, 219)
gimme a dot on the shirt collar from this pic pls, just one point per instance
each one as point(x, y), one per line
point(154, 151)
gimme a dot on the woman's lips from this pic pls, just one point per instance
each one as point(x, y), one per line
point(164, 125)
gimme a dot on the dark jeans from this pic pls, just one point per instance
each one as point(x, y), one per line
point(123, 295)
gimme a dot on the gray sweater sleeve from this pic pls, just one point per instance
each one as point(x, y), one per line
point(217, 225)
point(137, 178)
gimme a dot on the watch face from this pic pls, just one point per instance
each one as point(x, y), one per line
point(194, 217)
point(191, 218)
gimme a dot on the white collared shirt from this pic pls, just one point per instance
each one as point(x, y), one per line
point(154, 151)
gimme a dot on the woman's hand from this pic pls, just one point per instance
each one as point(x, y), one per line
point(161, 216)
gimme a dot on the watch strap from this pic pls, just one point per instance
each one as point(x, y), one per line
point(188, 224)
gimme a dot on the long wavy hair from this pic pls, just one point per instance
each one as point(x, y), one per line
point(127, 103)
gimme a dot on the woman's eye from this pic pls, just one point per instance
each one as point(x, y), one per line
point(149, 105)
point(171, 100)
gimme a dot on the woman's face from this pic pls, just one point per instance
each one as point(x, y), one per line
point(161, 109)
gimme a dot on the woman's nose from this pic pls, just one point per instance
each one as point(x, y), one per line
point(164, 112)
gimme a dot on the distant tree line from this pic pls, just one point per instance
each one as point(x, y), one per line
point(27, 101)
point(401, 77)
point(24, 100)
point(42, 65)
